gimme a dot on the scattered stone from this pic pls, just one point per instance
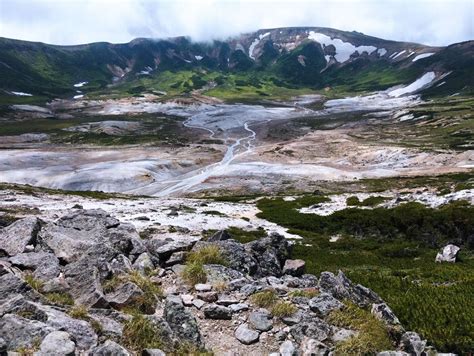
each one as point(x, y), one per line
point(447, 254)
point(288, 349)
point(143, 263)
point(124, 295)
point(175, 258)
point(343, 335)
point(239, 307)
point(198, 303)
point(313, 347)
point(181, 321)
point(226, 300)
point(57, 343)
point(209, 297)
point(110, 348)
point(214, 311)
point(261, 320)
point(202, 287)
point(324, 303)
point(294, 268)
point(245, 335)
point(187, 299)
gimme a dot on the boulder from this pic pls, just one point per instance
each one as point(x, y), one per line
point(324, 303)
point(15, 237)
point(447, 254)
point(261, 320)
point(209, 297)
point(175, 258)
point(239, 307)
point(201, 287)
point(314, 328)
point(245, 335)
point(221, 235)
point(109, 348)
point(218, 273)
point(198, 303)
point(214, 311)
point(181, 321)
point(164, 248)
point(45, 265)
point(226, 300)
point(57, 343)
point(294, 267)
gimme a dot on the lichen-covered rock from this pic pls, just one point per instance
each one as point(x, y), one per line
point(312, 347)
point(18, 332)
point(412, 343)
point(57, 343)
point(383, 312)
point(288, 349)
point(15, 237)
point(124, 295)
point(246, 335)
point(314, 328)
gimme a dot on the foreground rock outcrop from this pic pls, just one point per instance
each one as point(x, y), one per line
point(88, 284)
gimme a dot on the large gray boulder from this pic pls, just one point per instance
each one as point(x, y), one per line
point(342, 288)
point(324, 303)
point(181, 321)
point(57, 343)
point(44, 264)
point(15, 237)
point(124, 295)
point(383, 312)
point(447, 254)
point(314, 328)
point(246, 335)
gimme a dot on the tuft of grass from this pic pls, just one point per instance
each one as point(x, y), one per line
point(60, 298)
point(305, 293)
point(372, 338)
point(194, 273)
point(34, 283)
point(220, 286)
point(79, 312)
point(265, 298)
point(140, 333)
point(283, 309)
point(209, 254)
point(30, 351)
point(244, 236)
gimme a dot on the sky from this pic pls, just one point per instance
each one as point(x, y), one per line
point(66, 22)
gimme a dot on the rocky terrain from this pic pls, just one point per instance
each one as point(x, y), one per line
point(87, 283)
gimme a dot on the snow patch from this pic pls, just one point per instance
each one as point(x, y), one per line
point(198, 57)
point(78, 96)
point(421, 56)
point(20, 93)
point(421, 82)
point(442, 83)
point(398, 54)
point(343, 49)
point(382, 52)
point(81, 84)
point(255, 43)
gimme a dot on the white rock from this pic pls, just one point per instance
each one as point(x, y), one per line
point(447, 254)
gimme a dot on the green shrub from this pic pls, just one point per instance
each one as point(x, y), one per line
point(34, 283)
point(352, 201)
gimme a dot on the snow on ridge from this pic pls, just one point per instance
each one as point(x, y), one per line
point(343, 49)
point(382, 52)
point(255, 43)
point(20, 93)
point(80, 96)
point(421, 82)
point(198, 57)
point(393, 54)
point(81, 84)
point(399, 54)
point(421, 56)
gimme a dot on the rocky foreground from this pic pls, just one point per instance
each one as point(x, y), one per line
point(88, 284)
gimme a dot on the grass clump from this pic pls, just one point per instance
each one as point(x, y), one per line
point(60, 298)
point(82, 312)
point(244, 236)
point(305, 293)
point(370, 201)
point(373, 337)
point(194, 270)
point(34, 283)
point(140, 333)
point(265, 298)
point(283, 309)
point(352, 201)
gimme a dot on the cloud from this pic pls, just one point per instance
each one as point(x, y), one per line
point(435, 22)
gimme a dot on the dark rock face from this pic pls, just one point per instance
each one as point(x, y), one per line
point(214, 311)
point(181, 321)
point(18, 332)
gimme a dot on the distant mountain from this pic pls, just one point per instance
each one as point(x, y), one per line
point(293, 57)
